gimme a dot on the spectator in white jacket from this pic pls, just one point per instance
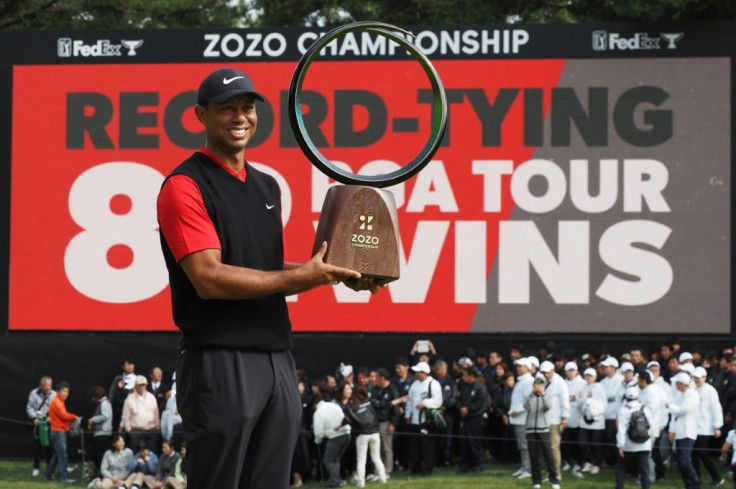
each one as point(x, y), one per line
point(425, 393)
point(328, 424)
point(611, 383)
point(653, 397)
point(684, 412)
point(517, 413)
point(559, 411)
point(571, 452)
point(710, 422)
point(628, 449)
point(593, 403)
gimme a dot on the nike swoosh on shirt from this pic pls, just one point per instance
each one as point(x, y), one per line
point(227, 81)
point(269, 207)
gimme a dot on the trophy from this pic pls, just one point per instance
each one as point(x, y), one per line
point(359, 219)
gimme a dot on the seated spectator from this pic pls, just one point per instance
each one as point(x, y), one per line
point(179, 479)
point(144, 463)
point(100, 423)
point(114, 466)
point(166, 466)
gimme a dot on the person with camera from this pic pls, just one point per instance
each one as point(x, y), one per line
point(537, 434)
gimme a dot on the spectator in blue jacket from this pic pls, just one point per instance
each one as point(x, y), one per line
point(144, 463)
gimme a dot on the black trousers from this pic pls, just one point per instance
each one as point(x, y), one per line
point(38, 451)
point(571, 452)
point(640, 460)
point(421, 449)
point(591, 445)
point(540, 453)
point(240, 417)
point(610, 452)
point(701, 452)
point(471, 432)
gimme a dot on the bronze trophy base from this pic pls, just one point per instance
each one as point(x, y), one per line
point(360, 225)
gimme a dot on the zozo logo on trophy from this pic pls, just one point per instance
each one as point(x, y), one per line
point(365, 240)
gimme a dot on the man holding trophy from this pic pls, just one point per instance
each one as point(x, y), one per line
point(222, 240)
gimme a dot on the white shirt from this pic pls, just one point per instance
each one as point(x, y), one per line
point(711, 411)
point(522, 389)
point(419, 393)
point(624, 419)
point(575, 387)
point(684, 412)
point(326, 418)
point(593, 392)
point(559, 399)
point(610, 387)
point(731, 438)
point(653, 398)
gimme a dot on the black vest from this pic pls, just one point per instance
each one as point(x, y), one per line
point(247, 217)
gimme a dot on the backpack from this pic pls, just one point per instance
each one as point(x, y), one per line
point(638, 431)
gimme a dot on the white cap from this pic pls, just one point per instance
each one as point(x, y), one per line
point(685, 356)
point(533, 360)
point(465, 362)
point(524, 361)
point(627, 366)
point(653, 363)
point(346, 370)
point(421, 367)
point(129, 381)
point(700, 372)
point(610, 362)
point(632, 393)
point(547, 366)
point(590, 371)
point(571, 366)
point(687, 367)
point(681, 378)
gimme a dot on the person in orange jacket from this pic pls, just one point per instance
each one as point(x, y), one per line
point(60, 420)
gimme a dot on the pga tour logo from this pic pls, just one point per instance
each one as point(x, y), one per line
point(603, 40)
point(67, 48)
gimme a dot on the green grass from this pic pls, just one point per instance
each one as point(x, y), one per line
point(17, 475)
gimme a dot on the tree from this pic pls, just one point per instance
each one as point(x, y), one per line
point(118, 14)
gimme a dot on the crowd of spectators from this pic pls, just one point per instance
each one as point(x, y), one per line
point(550, 409)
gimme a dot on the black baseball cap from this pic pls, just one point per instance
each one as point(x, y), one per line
point(225, 83)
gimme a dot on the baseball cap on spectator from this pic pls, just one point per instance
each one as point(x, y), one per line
point(141, 380)
point(524, 362)
point(625, 356)
point(685, 356)
point(700, 372)
point(346, 370)
point(533, 360)
point(465, 362)
point(627, 366)
point(681, 378)
point(590, 371)
point(632, 393)
point(129, 381)
point(539, 380)
point(421, 367)
point(610, 362)
point(653, 363)
point(223, 84)
point(547, 366)
point(571, 366)
point(687, 367)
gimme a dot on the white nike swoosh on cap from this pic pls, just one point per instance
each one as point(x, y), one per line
point(270, 206)
point(227, 81)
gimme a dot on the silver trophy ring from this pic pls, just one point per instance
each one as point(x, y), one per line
point(296, 117)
